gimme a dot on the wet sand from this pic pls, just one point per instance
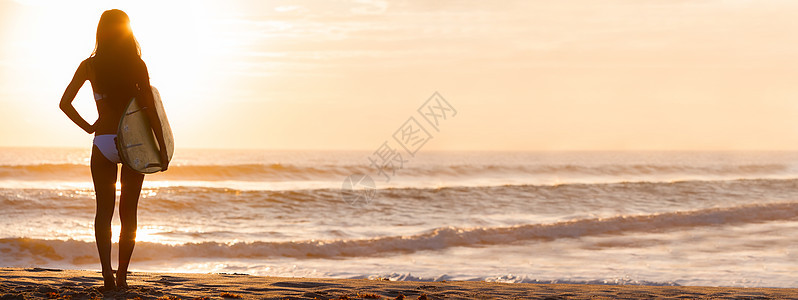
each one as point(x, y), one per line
point(35, 283)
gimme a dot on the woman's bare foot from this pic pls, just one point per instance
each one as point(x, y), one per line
point(108, 276)
point(121, 279)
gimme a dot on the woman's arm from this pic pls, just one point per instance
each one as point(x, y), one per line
point(152, 114)
point(69, 95)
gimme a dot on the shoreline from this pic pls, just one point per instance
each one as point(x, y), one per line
point(26, 283)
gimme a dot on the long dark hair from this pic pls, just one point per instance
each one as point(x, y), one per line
point(116, 56)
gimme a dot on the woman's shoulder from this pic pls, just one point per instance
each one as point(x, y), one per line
point(87, 66)
point(87, 63)
point(141, 63)
point(142, 67)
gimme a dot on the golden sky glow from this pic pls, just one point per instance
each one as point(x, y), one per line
point(523, 75)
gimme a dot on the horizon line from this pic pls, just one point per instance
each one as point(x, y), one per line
point(431, 150)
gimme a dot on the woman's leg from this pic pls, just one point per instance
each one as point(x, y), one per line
point(128, 204)
point(103, 173)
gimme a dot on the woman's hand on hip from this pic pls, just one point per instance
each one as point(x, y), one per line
point(89, 129)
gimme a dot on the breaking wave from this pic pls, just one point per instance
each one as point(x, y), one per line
point(20, 250)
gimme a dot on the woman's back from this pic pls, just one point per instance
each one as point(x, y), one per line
point(114, 83)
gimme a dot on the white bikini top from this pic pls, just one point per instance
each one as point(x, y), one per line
point(98, 96)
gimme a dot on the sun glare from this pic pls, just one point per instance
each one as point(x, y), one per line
point(175, 39)
point(148, 234)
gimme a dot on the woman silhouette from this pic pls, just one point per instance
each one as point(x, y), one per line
point(117, 74)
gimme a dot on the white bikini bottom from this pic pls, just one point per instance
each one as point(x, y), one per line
point(107, 145)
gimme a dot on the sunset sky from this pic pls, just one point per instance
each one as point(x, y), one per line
point(523, 75)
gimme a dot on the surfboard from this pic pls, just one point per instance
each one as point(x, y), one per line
point(135, 138)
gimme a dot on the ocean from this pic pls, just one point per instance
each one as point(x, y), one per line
point(654, 218)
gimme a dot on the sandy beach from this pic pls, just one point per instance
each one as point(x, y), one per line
point(33, 283)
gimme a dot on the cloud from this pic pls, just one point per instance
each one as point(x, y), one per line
point(370, 7)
